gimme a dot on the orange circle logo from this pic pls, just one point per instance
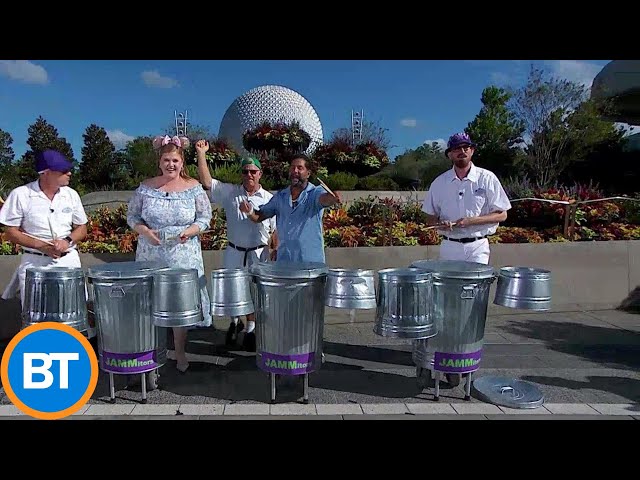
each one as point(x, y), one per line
point(49, 370)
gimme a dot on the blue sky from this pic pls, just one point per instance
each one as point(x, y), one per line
point(417, 100)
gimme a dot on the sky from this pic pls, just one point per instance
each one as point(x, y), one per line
point(416, 100)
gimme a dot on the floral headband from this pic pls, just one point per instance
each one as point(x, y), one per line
point(160, 141)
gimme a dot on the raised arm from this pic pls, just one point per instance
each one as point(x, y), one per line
point(202, 147)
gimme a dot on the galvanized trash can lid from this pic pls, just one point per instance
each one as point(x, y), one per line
point(508, 392)
point(285, 269)
point(111, 270)
point(455, 269)
point(529, 273)
point(404, 273)
point(55, 272)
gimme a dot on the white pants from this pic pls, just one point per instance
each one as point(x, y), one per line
point(477, 251)
point(232, 258)
point(17, 283)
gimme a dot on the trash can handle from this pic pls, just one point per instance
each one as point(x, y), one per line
point(352, 281)
point(469, 291)
point(504, 390)
point(117, 292)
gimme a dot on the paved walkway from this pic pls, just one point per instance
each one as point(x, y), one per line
point(587, 365)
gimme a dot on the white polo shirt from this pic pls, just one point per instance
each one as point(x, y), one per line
point(479, 193)
point(28, 207)
point(241, 231)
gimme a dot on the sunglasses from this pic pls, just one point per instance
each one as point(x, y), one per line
point(248, 171)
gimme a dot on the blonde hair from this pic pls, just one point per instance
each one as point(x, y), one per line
point(169, 148)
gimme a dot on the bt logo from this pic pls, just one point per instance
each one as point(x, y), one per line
point(49, 370)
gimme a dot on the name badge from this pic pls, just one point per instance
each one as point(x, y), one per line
point(480, 191)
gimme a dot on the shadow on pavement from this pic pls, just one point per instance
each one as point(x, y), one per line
point(399, 355)
point(621, 386)
point(611, 347)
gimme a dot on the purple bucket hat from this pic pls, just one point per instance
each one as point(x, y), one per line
point(52, 160)
point(458, 139)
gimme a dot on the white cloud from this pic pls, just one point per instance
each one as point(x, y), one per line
point(440, 141)
point(24, 71)
point(575, 71)
point(408, 122)
point(119, 138)
point(152, 78)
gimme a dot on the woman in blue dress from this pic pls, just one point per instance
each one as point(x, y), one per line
point(168, 211)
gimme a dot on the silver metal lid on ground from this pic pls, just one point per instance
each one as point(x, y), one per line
point(508, 392)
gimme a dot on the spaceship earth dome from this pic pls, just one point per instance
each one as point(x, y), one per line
point(269, 103)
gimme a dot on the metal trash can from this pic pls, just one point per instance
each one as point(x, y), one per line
point(175, 298)
point(55, 294)
point(460, 302)
point(128, 341)
point(289, 303)
point(404, 304)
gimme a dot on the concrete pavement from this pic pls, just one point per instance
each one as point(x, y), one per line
point(585, 363)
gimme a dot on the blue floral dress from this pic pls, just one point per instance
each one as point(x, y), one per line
point(170, 213)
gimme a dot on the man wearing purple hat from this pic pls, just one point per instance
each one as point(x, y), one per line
point(468, 202)
point(47, 219)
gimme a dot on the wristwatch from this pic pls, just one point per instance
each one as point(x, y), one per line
point(70, 240)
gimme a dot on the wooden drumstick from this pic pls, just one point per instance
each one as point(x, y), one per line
point(178, 236)
point(324, 185)
point(36, 238)
point(439, 226)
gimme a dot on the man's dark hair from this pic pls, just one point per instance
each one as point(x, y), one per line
point(301, 156)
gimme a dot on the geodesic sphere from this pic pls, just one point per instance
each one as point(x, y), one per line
point(271, 103)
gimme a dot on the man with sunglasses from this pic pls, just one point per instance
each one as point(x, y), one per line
point(468, 202)
point(247, 242)
point(47, 219)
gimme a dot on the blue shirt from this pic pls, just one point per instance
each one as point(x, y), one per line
point(299, 227)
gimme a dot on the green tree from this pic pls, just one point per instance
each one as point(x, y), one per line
point(544, 106)
point(97, 167)
point(418, 167)
point(138, 160)
point(8, 178)
point(42, 136)
point(6, 150)
point(497, 132)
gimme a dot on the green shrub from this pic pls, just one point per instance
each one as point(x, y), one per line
point(377, 182)
point(230, 173)
point(341, 181)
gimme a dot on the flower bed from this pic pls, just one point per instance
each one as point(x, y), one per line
point(385, 222)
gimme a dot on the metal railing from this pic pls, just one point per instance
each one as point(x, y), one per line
point(571, 209)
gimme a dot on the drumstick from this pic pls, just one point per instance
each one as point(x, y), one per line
point(324, 185)
point(439, 226)
point(36, 238)
point(178, 236)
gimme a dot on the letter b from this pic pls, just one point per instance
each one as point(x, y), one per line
point(44, 369)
